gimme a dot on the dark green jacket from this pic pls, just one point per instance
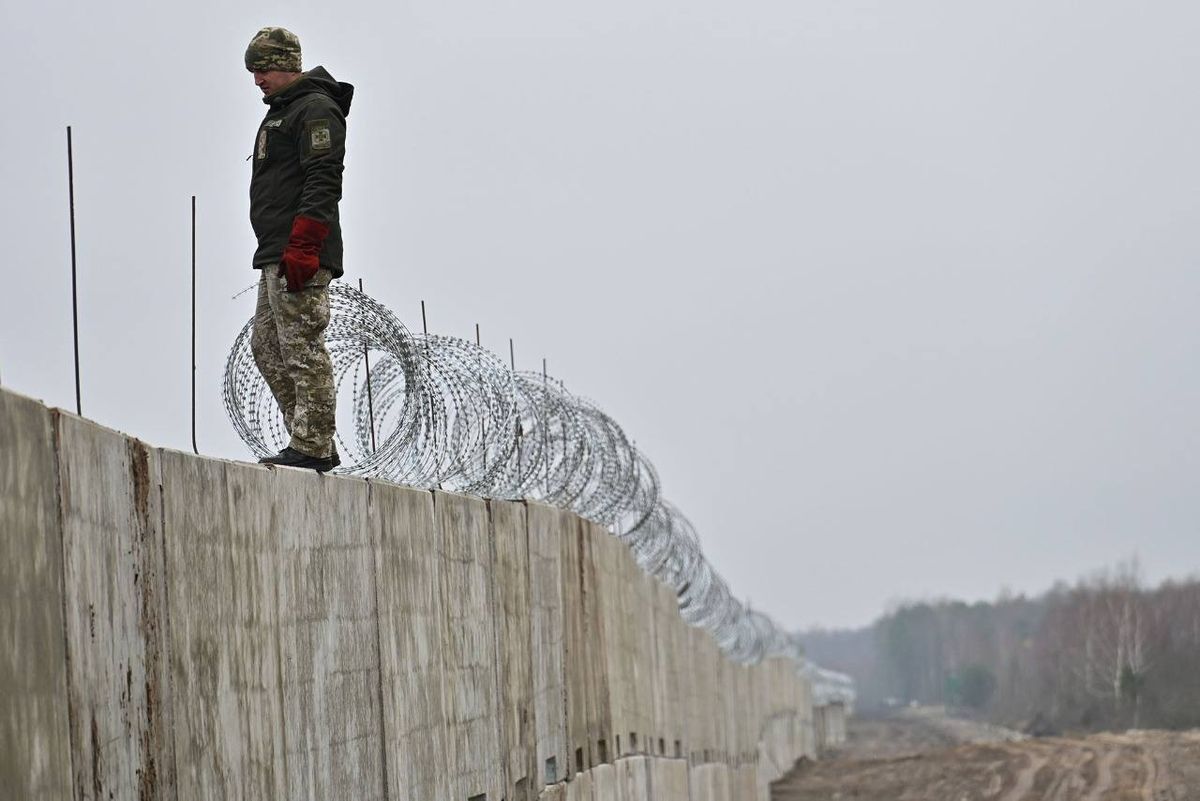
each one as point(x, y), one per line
point(297, 160)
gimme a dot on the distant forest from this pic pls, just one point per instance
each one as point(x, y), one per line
point(1107, 653)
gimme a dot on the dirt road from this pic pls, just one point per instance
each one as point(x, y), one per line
point(921, 758)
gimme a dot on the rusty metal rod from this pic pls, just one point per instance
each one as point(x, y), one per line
point(370, 395)
point(74, 282)
point(195, 449)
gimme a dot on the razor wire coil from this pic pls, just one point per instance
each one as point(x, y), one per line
point(436, 411)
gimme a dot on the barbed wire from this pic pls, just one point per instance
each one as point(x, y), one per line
point(442, 412)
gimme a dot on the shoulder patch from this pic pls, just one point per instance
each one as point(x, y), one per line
point(273, 123)
point(319, 137)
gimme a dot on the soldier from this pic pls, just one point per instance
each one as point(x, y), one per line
point(295, 186)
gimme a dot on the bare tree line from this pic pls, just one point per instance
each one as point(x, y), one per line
point(1105, 653)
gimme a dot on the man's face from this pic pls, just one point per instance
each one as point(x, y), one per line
point(271, 81)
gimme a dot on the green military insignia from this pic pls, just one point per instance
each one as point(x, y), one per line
point(262, 143)
point(319, 137)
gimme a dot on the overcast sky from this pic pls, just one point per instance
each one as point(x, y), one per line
point(899, 296)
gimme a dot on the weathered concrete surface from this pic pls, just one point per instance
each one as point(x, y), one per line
point(514, 665)
point(727, 712)
point(469, 642)
point(743, 783)
point(222, 590)
point(630, 654)
point(254, 633)
point(633, 783)
point(617, 657)
point(604, 783)
point(710, 782)
point(546, 633)
point(638, 586)
point(706, 699)
point(670, 670)
point(119, 684)
point(580, 787)
point(579, 682)
point(667, 780)
point(555, 792)
point(35, 756)
point(599, 705)
point(833, 718)
point(745, 716)
point(329, 639)
point(412, 661)
point(660, 644)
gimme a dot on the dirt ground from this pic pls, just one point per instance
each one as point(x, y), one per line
point(926, 757)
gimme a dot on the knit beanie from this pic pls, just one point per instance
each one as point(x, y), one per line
point(273, 49)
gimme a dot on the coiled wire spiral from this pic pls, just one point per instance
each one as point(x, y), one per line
point(443, 412)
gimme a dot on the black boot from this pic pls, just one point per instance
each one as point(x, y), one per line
point(290, 457)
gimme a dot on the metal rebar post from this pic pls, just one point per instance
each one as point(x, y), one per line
point(512, 362)
point(545, 434)
point(74, 282)
point(370, 394)
point(428, 365)
point(483, 386)
point(195, 449)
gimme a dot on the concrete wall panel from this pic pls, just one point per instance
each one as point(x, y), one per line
point(222, 591)
point(579, 685)
point(604, 783)
point(710, 782)
point(745, 715)
point(510, 542)
point(599, 699)
point(642, 587)
point(412, 661)
point(672, 670)
point(657, 656)
point(836, 724)
point(708, 709)
point(469, 643)
point(667, 780)
point(580, 787)
point(608, 556)
point(554, 792)
point(756, 676)
point(328, 636)
point(637, 644)
point(258, 633)
point(546, 633)
point(720, 730)
point(115, 614)
point(35, 758)
point(743, 783)
point(633, 783)
point(693, 698)
point(821, 740)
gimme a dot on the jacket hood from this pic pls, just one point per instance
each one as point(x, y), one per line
point(316, 80)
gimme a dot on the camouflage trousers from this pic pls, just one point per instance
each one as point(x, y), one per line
point(288, 344)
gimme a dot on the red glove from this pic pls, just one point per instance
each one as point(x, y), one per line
point(301, 257)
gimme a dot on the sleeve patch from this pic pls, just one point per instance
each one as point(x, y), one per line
point(319, 137)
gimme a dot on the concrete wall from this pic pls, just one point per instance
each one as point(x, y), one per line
point(183, 628)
